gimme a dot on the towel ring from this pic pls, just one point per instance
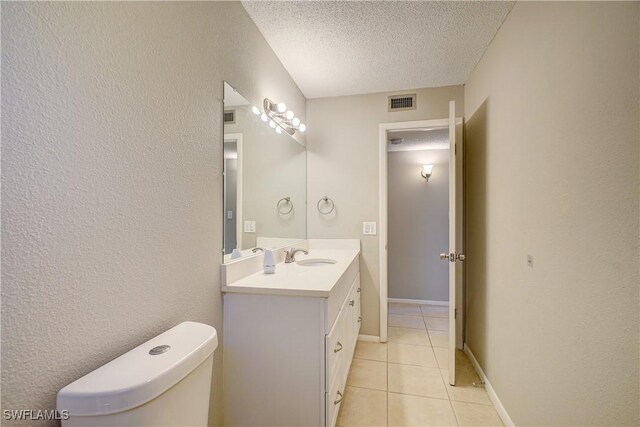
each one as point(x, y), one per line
point(287, 201)
point(327, 201)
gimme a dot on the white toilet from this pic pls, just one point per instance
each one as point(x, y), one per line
point(163, 382)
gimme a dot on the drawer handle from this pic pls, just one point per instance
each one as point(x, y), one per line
point(335, 402)
point(358, 289)
point(337, 349)
point(352, 302)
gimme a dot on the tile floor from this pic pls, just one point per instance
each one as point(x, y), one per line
point(405, 381)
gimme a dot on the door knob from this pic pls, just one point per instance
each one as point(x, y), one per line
point(461, 257)
point(444, 256)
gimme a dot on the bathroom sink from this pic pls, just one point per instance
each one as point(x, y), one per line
point(316, 262)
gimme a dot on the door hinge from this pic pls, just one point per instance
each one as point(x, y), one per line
point(455, 313)
point(455, 148)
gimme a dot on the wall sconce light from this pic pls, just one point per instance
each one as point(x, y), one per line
point(426, 171)
point(279, 118)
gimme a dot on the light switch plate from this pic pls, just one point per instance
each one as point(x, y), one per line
point(249, 226)
point(229, 214)
point(369, 228)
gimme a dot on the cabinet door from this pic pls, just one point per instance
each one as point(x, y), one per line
point(335, 350)
point(353, 306)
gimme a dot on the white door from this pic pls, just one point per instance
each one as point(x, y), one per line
point(453, 256)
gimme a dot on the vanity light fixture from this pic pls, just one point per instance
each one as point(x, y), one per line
point(426, 172)
point(283, 120)
point(255, 110)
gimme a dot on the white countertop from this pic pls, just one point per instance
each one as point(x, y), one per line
point(298, 280)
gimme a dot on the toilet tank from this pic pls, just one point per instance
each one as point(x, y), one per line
point(163, 382)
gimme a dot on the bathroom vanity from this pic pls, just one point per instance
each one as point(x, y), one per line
point(289, 337)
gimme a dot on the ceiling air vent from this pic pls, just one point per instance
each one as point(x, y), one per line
point(230, 116)
point(402, 102)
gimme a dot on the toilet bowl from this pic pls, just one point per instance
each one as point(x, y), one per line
point(163, 382)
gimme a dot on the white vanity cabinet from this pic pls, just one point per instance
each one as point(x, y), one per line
point(287, 353)
point(340, 346)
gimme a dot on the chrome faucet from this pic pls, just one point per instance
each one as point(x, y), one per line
point(256, 249)
point(290, 255)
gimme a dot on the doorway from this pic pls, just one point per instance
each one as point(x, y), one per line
point(232, 192)
point(451, 254)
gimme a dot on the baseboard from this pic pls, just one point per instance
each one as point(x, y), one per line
point(418, 301)
point(502, 412)
point(368, 338)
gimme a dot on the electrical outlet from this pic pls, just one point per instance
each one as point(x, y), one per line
point(249, 226)
point(530, 261)
point(369, 228)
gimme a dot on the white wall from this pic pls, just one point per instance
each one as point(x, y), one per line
point(418, 225)
point(342, 163)
point(111, 178)
point(552, 170)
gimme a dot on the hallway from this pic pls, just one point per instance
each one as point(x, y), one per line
point(404, 382)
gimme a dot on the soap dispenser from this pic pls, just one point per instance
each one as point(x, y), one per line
point(269, 263)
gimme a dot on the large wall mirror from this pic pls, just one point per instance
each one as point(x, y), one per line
point(265, 182)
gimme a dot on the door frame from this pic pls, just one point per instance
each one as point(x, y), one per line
point(383, 217)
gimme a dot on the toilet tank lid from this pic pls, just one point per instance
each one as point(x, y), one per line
point(142, 374)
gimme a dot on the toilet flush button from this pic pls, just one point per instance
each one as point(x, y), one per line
point(159, 349)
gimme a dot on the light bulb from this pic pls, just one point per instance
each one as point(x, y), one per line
point(278, 129)
point(272, 124)
point(282, 107)
point(264, 117)
point(289, 115)
point(255, 110)
point(295, 121)
point(302, 127)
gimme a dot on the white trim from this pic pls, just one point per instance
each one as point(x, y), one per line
point(418, 301)
point(382, 208)
point(502, 411)
point(368, 338)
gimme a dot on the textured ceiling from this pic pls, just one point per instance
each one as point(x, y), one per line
point(334, 48)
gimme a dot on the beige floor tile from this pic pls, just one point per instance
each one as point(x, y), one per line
point(471, 414)
point(437, 323)
point(409, 354)
point(371, 351)
point(405, 410)
point(408, 336)
point(463, 363)
point(399, 321)
point(464, 390)
point(442, 356)
point(368, 374)
point(435, 311)
point(416, 380)
point(363, 407)
point(404, 309)
point(439, 338)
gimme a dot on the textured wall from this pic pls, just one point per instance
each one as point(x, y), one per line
point(111, 185)
point(342, 162)
point(552, 170)
point(418, 225)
